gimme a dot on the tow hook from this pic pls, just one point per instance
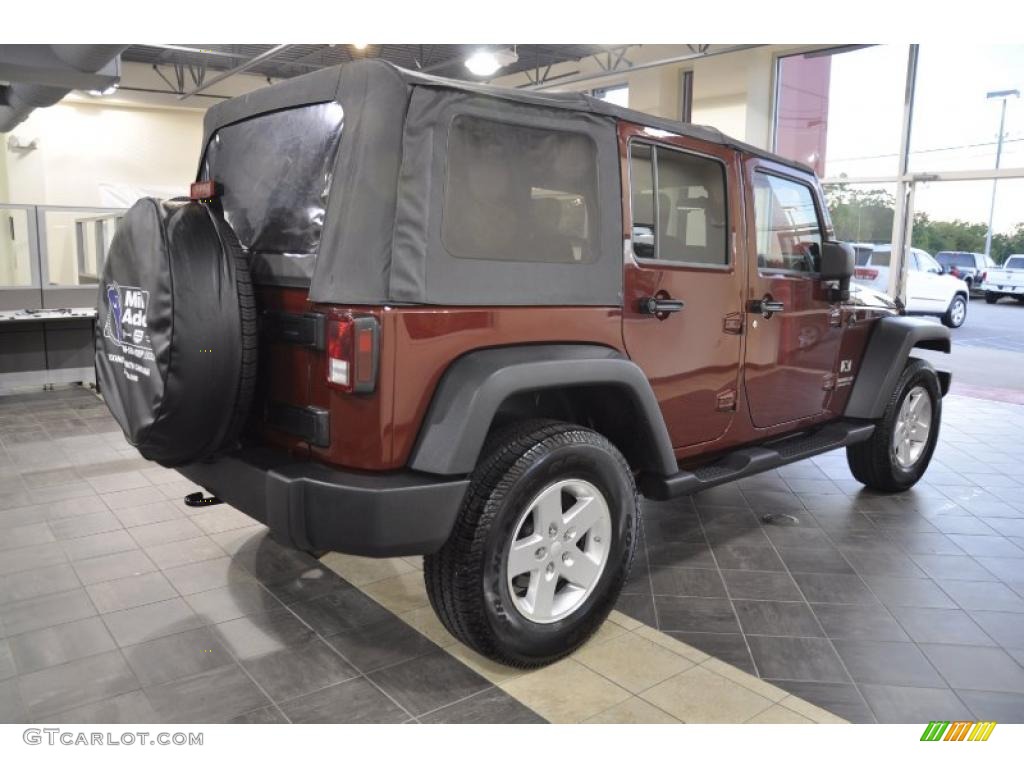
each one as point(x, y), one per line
point(200, 499)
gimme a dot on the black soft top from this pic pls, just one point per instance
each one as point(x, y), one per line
point(381, 214)
point(326, 84)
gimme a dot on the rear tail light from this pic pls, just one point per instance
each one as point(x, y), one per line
point(865, 274)
point(352, 353)
point(984, 276)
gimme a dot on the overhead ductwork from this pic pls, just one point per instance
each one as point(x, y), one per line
point(42, 75)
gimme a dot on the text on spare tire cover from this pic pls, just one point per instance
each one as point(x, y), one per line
point(126, 329)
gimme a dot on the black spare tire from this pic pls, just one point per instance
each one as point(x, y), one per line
point(176, 331)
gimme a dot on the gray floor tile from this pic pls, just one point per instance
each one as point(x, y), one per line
point(987, 546)
point(78, 682)
point(379, 645)
point(843, 699)
point(315, 581)
point(261, 634)
point(796, 658)
point(176, 656)
point(760, 585)
point(131, 592)
point(491, 706)
point(154, 534)
point(60, 644)
point(983, 596)
point(814, 560)
point(834, 588)
point(211, 697)
point(765, 617)
point(31, 558)
point(941, 625)
point(299, 669)
point(686, 582)
point(1007, 629)
point(695, 614)
point(130, 707)
point(26, 536)
point(48, 611)
point(355, 701)
point(7, 668)
point(261, 716)
point(206, 574)
point(181, 553)
point(858, 622)
point(919, 593)
point(119, 565)
point(340, 610)
point(84, 525)
point(991, 705)
point(748, 558)
point(98, 545)
point(887, 663)
point(902, 704)
point(231, 602)
point(638, 606)
point(135, 497)
point(25, 585)
point(1008, 569)
point(148, 622)
point(976, 668)
point(11, 708)
point(148, 514)
point(429, 682)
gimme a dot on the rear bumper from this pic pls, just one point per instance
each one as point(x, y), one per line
point(1005, 289)
point(313, 507)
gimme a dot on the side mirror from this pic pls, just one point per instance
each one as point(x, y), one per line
point(837, 260)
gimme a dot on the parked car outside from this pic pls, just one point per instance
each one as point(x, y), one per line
point(969, 267)
point(1005, 281)
point(929, 291)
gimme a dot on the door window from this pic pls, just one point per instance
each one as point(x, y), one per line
point(679, 209)
point(788, 232)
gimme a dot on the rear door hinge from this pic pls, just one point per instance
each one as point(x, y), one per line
point(829, 382)
point(733, 323)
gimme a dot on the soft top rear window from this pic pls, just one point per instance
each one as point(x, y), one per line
point(275, 173)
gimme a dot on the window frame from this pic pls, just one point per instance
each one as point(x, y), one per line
point(822, 230)
point(656, 146)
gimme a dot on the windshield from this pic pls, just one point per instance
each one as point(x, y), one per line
point(956, 259)
point(274, 172)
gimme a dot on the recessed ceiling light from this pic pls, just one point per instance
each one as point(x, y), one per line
point(105, 92)
point(483, 63)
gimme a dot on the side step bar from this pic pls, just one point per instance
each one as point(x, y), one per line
point(750, 461)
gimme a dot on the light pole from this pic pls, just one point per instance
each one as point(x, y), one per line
point(1004, 95)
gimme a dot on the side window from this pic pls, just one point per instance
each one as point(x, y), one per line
point(519, 193)
point(788, 233)
point(679, 210)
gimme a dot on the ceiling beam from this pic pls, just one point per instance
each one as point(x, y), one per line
point(254, 61)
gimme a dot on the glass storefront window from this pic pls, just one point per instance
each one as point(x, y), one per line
point(861, 213)
point(953, 216)
point(840, 111)
point(955, 126)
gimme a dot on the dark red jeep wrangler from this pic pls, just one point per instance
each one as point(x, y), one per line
point(408, 315)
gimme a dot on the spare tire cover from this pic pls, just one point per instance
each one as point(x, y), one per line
point(175, 331)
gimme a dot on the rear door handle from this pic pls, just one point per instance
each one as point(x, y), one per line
point(654, 305)
point(767, 306)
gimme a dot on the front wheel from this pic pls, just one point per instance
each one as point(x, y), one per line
point(956, 313)
point(542, 545)
point(898, 452)
point(991, 298)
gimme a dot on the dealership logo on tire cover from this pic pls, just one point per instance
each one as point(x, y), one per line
point(127, 328)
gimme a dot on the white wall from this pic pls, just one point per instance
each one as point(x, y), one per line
point(82, 146)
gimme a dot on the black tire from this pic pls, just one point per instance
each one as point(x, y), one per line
point(991, 298)
point(873, 461)
point(948, 319)
point(466, 580)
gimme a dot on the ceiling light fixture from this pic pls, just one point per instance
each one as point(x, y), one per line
point(484, 63)
point(110, 89)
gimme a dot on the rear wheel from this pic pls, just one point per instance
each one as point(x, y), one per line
point(541, 547)
point(896, 456)
point(956, 313)
point(991, 298)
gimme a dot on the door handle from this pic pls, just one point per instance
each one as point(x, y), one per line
point(655, 305)
point(766, 306)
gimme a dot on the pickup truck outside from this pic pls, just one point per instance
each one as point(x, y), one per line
point(1007, 281)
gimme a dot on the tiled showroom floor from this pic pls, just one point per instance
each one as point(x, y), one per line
point(119, 603)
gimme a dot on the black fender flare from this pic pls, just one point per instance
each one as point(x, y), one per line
point(886, 355)
point(475, 385)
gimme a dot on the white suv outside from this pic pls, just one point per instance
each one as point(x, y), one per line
point(929, 291)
